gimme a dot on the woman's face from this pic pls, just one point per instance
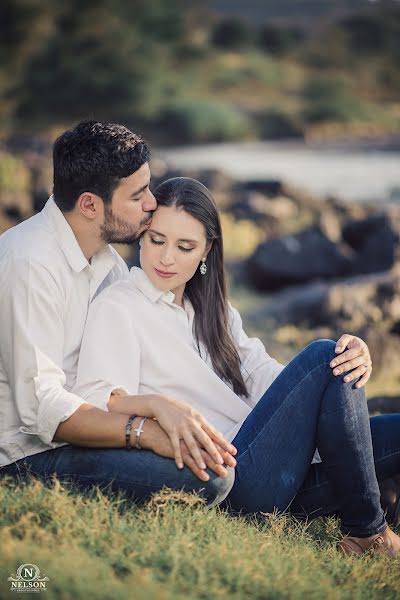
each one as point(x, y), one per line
point(172, 248)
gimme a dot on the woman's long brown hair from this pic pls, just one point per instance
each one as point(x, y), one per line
point(207, 293)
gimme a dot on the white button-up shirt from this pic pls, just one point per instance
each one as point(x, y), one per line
point(137, 339)
point(46, 285)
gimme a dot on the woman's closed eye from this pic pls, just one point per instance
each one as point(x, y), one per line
point(160, 243)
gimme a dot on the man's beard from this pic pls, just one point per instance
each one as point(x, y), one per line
point(116, 231)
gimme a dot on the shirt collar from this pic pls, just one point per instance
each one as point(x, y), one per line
point(68, 242)
point(143, 283)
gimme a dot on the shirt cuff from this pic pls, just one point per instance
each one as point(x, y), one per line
point(50, 415)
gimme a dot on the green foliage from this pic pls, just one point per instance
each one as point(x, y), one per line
point(231, 34)
point(94, 547)
point(366, 33)
point(331, 100)
point(138, 61)
point(206, 121)
point(94, 59)
point(279, 40)
point(275, 124)
point(14, 175)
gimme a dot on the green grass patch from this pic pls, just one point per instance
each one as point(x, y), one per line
point(174, 547)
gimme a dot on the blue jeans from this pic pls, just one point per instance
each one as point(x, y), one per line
point(137, 473)
point(305, 407)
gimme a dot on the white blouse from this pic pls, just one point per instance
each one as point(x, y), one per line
point(138, 340)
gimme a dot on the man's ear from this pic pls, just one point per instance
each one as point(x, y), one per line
point(90, 205)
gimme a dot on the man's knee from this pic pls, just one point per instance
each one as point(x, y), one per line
point(217, 488)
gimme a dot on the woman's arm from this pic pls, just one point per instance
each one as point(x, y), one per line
point(258, 368)
point(110, 359)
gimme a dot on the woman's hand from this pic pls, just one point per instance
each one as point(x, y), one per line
point(161, 445)
point(356, 357)
point(182, 422)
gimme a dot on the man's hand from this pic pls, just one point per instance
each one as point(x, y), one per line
point(356, 359)
point(160, 443)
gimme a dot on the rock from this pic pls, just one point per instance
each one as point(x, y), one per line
point(295, 259)
point(375, 240)
point(385, 352)
point(297, 305)
point(273, 215)
point(362, 301)
point(384, 404)
point(267, 187)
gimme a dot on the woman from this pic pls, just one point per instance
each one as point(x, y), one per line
point(172, 339)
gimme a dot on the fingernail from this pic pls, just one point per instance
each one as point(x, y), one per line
point(346, 378)
point(220, 460)
point(338, 348)
point(333, 364)
point(336, 371)
point(203, 465)
point(180, 465)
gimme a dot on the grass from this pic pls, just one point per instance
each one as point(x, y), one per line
point(173, 548)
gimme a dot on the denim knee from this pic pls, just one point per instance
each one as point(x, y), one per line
point(217, 488)
point(323, 349)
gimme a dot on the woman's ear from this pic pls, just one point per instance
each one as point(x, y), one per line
point(208, 248)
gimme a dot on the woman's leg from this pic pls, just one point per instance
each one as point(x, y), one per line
point(137, 473)
point(316, 496)
point(305, 407)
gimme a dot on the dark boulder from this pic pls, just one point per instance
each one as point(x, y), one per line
point(295, 259)
point(375, 240)
point(384, 404)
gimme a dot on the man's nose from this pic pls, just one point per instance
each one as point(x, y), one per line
point(150, 203)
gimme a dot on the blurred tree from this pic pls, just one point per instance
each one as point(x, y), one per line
point(97, 56)
point(279, 40)
point(330, 99)
point(232, 34)
point(366, 33)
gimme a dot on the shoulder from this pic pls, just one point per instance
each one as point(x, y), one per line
point(121, 268)
point(119, 292)
point(31, 241)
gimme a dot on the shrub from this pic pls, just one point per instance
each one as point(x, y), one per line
point(231, 34)
point(278, 40)
point(331, 100)
point(276, 124)
point(205, 121)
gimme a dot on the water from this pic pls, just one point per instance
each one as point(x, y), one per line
point(361, 175)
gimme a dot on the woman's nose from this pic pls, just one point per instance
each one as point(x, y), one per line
point(167, 257)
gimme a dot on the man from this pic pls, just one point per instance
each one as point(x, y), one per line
point(51, 267)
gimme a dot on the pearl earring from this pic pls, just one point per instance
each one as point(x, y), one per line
point(203, 266)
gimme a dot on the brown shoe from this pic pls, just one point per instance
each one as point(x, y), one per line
point(387, 543)
point(390, 499)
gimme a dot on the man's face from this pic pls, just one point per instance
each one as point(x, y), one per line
point(131, 208)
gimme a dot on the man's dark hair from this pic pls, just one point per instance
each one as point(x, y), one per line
point(93, 157)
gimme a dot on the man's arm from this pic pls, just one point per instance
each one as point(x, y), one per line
point(93, 427)
point(32, 307)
